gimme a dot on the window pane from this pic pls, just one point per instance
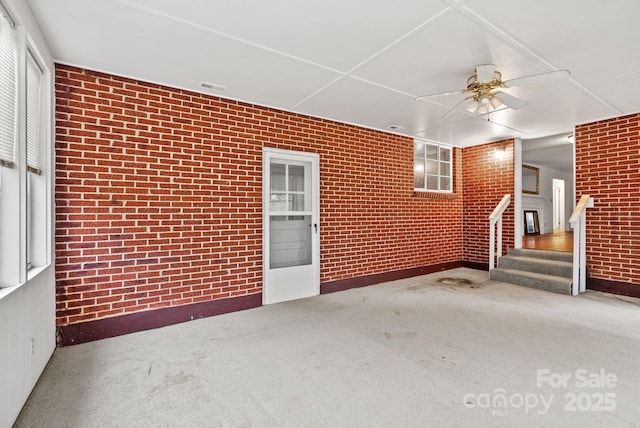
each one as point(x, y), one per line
point(290, 241)
point(445, 169)
point(278, 180)
point(296, 202)
point(278, 202)
point(432, 167)
point(296, 178)
point(418, 172)
point(432, 151)
point(445, 154)
point(34, 75)
point(445, 183)
point(432, 182)
point(8, 79)
point(418, 149)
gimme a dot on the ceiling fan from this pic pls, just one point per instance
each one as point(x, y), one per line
point(485, 96)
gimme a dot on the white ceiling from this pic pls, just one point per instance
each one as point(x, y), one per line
point(555, 152)
point(364, 61)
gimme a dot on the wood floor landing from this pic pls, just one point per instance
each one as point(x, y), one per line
point(556, 241)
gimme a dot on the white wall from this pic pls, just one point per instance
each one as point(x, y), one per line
point(546, 195)
point(27, 311)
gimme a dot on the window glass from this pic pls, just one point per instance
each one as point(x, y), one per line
point(8, 95)
point(432, 169)
point(34, 77)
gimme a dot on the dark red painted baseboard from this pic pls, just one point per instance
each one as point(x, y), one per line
point(476, 265)
point(146, 320)
point(363, 281)
point(614, 287)
point(130, 323)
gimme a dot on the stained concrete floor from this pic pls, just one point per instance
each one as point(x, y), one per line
point(447, 349)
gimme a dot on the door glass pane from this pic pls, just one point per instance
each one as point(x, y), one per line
point(278, 177)
point(289, 241)
point(296, 178)
point(296, 202)
point(278, 202)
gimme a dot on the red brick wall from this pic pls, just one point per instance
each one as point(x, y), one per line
point(158, 197)
point(486, 180)
point(608, 169)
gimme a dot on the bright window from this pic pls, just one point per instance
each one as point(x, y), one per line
point(8, 92)
point(432, 167)
point(36, 208)
point(25, 156)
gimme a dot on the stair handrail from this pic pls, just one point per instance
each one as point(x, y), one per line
point(578, 221)
point(495, 219)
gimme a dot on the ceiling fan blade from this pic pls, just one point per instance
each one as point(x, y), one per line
point(484, 72)
point(461, 105)
point(510, 101)
point(440, 94)
point(551, 76)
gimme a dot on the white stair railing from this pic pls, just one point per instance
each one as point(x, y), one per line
point(578, 221)
point(495, 219)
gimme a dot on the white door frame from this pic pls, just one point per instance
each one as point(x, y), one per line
point(518, 215)
point(559, 202)
point(268, 154)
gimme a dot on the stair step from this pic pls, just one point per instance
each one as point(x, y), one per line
point(537, 265)
point(542, 254)
point(555, 284)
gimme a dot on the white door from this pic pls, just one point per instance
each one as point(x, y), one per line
point(291, 244)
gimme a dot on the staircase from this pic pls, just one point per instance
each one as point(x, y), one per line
point(544, 270)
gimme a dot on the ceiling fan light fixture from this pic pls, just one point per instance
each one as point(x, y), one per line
point(496, 102)
point(484, 103)
point(472, 106)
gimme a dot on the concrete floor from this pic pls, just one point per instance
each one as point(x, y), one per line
point(446, 349)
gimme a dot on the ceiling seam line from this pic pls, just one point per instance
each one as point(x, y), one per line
point(444, 12)
point(228, 36)
point(349, 72)
point(382, 86)
point(316, 92)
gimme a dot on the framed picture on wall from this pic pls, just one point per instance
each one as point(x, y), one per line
point(531, 223)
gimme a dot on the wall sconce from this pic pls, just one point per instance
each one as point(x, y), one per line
point(501, 153)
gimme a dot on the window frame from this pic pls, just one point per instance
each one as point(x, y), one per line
point(26, 188)
point(439, 147)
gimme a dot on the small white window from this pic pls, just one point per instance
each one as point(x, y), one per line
point(432, 169)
